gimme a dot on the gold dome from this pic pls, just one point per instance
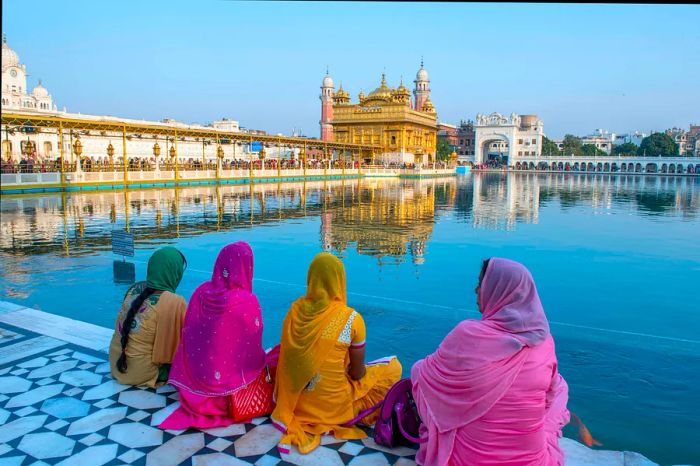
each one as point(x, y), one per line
point(428, 106)
point(341, 92)
point(382, 92)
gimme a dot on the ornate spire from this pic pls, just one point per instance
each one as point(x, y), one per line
point(383, 83)
point(421, 61)
point(327, 73)
point(4, 38)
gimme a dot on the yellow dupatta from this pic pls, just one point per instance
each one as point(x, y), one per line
point(303, 349)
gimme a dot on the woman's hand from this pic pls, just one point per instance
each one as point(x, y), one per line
point(357, 368)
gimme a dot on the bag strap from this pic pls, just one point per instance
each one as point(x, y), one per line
point(362, 414)
point(405, 434)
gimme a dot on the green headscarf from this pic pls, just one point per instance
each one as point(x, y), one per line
point(165, 269)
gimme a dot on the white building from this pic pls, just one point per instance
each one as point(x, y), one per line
point(16, 99)
point(509, 138)
point(14, 85)
point(601, 139)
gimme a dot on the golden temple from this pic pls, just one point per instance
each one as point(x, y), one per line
point(387, 117)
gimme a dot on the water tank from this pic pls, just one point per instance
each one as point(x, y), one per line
point(528, 121)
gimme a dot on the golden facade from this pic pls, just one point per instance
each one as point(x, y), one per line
point(386, 118)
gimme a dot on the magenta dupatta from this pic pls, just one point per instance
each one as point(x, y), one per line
point(221, 349)
point(479, 360)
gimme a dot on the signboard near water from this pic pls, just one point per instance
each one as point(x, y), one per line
point(256, 146)
point(122, 243)
point(124, 272)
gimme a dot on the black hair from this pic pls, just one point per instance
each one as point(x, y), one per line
point(484, 266)
point(128, 322)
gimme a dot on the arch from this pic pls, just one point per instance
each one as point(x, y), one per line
point(567, 166)
point(599, 167)
point(606, 167)
point(560, 165)
point(532, 166)
point(664, 168)
point(613, 167)
point(517, 165)
point(590, 167)
point(543, 166)
point(623, 167)
point(672, 168)
point(690, 169)
point(651, 167)
point(484, 138)
point(697, 168)
point(638, 168)
point(576, 166)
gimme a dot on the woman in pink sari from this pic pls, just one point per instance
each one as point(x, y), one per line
point(491, 394)
point(221, 349)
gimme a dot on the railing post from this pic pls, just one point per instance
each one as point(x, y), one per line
point(126, 172)
point(60, 143)
point(219, 160)
point(279, 158)
point(250, 151)
point(177, 163)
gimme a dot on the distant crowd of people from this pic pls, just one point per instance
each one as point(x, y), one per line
point(98, 164)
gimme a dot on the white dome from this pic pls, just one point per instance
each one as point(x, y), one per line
point(40, 91)
point(9, 56)
point(327, 81)
point(422, 74)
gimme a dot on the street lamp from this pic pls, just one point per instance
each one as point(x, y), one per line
point(173, 152)
point(110, 154)
point(156, 150)
point(220, 151)
point(29, 148)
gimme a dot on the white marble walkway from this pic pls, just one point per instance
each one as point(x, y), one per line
point(59, 405)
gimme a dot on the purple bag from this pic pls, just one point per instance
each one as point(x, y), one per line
point(398, 422)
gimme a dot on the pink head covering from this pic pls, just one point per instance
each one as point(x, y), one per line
point(478, 360)
point(221, 346)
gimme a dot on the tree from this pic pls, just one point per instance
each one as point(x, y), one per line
point(444, 150)
point(572, 145)
point(658, 144)
point(549, 147)
point(590, 150)
point(627, 149)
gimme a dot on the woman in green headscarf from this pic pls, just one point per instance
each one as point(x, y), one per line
point(147, 329)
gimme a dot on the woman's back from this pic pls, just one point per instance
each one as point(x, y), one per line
point(154, 335)
point(516, 423)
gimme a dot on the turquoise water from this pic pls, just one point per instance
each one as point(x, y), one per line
point(616, 260)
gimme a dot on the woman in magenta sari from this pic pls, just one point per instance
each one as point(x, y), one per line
point(491, 394)
point(221, 349)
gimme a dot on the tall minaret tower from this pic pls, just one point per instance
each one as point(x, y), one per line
point(422, 90)
point(327, 91)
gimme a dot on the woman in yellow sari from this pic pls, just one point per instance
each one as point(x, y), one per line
point(322, 380)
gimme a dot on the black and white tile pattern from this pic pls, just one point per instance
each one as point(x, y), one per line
point(59, 405)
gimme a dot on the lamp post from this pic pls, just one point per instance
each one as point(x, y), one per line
point(219, 157)
point(156, 154)
point(78, 150)
point(110, 154)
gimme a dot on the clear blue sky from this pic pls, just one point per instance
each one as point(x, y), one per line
point(580, 67)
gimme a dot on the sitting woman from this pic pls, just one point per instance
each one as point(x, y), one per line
point(322, 380)
point(491, 393)
point(147, 329)
point(221, 351)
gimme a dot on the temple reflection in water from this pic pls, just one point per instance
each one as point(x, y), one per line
point(390, 219)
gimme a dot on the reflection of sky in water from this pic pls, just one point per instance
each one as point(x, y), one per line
point(616, 259)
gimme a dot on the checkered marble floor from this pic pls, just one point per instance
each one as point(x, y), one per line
point(60, 405)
